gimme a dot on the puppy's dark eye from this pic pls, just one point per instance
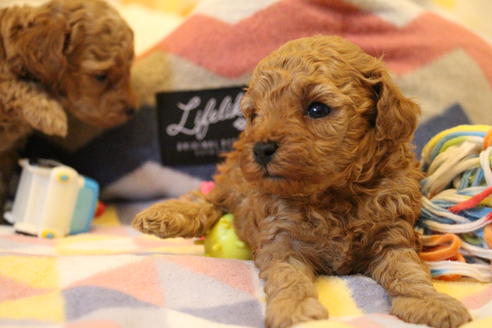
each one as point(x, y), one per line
point(318, 110)
point(101, 77)
point(252, 117)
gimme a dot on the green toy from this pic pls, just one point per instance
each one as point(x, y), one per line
point(222, 241)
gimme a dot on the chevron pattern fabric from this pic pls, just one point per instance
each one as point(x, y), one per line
point(435, 61)
point(114, 277)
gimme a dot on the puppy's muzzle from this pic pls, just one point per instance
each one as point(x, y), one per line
point(263, 152)
point(129, 111)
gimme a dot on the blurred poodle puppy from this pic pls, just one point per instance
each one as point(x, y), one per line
point(66, 55)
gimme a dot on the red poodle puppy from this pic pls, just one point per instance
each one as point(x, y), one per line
point(66, 55)
point(322, 180)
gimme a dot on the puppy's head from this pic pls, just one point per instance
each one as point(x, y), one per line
point(81, 52)
point(321, 113)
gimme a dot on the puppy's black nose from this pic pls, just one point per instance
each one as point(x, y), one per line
point(130, 111)
point(264, 151)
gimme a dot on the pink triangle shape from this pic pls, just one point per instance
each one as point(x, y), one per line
point(113, 231)
point(93, 324)
point(139, 280)
point(12, 290)
point(31, 240)
point(478, 299)
point(236, 274)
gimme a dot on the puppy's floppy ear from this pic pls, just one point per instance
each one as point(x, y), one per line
point(395, 115)
point(39, 47)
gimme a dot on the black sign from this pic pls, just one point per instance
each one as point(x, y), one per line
point(196, 126)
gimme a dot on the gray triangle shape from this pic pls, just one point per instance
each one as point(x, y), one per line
point(85, 299)
point(369, 296)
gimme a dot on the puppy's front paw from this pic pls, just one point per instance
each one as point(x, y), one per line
point(439, 311)
point(166, 219)
point(46, 116)
point(284, 313)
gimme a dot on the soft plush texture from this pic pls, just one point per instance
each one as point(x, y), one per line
point(115, 277)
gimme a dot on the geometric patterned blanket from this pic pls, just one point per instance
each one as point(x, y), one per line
point(115, 277)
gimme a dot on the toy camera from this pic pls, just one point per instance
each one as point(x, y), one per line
point(52, 200)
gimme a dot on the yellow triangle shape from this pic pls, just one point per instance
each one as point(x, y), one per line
point(47, 307)
point(459, 289)
point(34, 271)
point(326, 324)
point(108, 219)
point(479, 323)
point(343, 304)
point(448, 4)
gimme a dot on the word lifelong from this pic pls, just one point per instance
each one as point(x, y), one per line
point(210, 114)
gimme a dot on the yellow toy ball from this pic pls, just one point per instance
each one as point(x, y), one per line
point(222, 241)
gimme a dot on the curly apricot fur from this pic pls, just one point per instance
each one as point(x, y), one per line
point(340, 194)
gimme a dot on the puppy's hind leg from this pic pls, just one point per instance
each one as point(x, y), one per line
point(400, 271)
point(191, 215)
